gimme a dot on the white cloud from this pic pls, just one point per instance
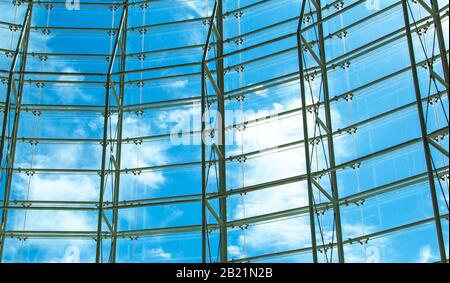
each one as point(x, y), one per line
point(198, 7)
point(179, 84)
point(142, 155)
point(277, 235)
point(425, 254)
point(157, 254)
point(66, 187)
point(291, 233)
point(61, 220)
point(71, 255)
point(60, 251)
point(68, 92)
point(235, 251)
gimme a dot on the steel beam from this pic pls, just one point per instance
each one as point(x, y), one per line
point(353, 54)
point(307, 160)
point(219, 88)
point(188, 229)
point(330, 142)
point(120, 102)
point(331, 62)
point(221, 137)
point(347, 242)
point(22, 47)
point(441, 40)
point(11, 81)
point(423, 129)
point(103, 172)
point(367, 194)
point(116, 205)
point(204, 162)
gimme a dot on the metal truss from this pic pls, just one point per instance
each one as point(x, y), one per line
point(326, 126)
point(15, 92)
point(316, 106)
point(218, 147)
point(396, 35)
point(422, 117)
point(114, 161)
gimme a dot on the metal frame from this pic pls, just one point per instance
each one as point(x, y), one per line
point(215, 77)
point(22, 46)
point(327, 125)
point(115, 162)
point(218, 85)
point(423, 129)
point(119, 139)
point(312, 208)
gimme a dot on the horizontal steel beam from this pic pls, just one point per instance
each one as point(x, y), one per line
point(173, 200)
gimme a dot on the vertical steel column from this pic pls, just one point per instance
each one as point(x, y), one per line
point(329, 124)
point(441, 40)
point(222, 161)
point(22, 38)
point(423, 129)
point(306, 136)
point(204, 185)
point(105, 133)
point(123, 46)
point(10, 156)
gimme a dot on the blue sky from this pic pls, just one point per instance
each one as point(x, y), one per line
point(402, 206)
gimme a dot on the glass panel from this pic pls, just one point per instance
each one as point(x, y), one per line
point(101, 115)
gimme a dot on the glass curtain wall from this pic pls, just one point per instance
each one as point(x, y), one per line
point(224, 131)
